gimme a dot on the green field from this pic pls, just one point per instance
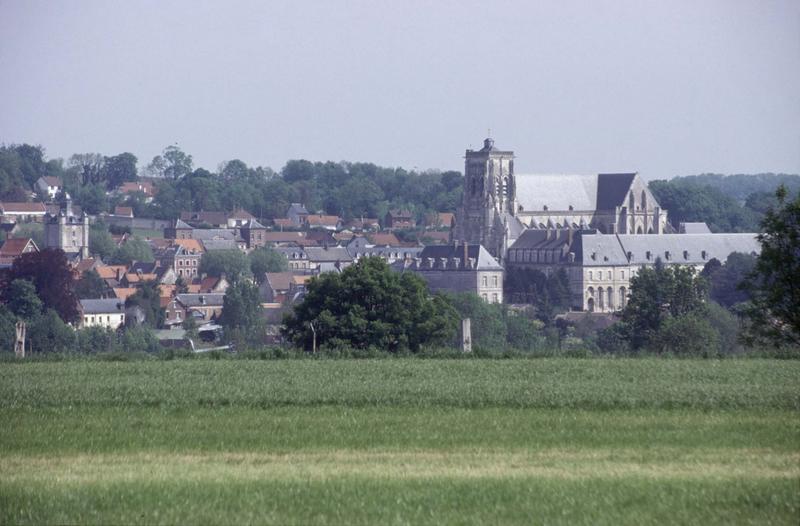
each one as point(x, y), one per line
point(402, 441)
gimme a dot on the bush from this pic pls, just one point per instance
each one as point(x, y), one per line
point(686, 335)
point(93, 340)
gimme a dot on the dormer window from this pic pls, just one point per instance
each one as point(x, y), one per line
point(545, 208)
point(703, 254)
point(648, 255)
point(571, 208)
point(667, 255)
point(685, 254)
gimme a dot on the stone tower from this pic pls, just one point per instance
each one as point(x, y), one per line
point(67, 231)
point(489, 198)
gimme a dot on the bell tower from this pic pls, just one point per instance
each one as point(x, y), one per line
point(489, 194)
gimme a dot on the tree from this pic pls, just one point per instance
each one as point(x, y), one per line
point(241, 313)
point(49, 271)
point(47, 333)
point(119, 169)
point(368, 305)
point(90, 285)
point(147, 299)
point(8, 333)
point(134, 249)
point(22, 299)
point(774, 312)
point(90, 340)
point(687, 334)
point(101, 243)
point(659, 293)
point(263, 260)
point(487, 320)
point(89, 167)
point(725, 280)
point(232, 263)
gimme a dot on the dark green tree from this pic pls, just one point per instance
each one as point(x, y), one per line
point(91, 340)
point(232, 263)
point(725, 281)
point(49, 271)
point(134, 249)
point(241, 314)
point(22, 300)
point(368, 305)
point(263, 260)
point(119, 169)
point(48, 333)
point(90, 285)
point(148, 300)
point(101, 243)
point(659, 293)
point(7, 331)
point(774, 312)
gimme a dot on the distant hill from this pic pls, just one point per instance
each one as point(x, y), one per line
point(741, 186)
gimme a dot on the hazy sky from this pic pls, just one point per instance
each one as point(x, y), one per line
point(660, 87)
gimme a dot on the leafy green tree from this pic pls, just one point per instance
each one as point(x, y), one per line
point(91, 340)
point(232, 263)
point(22, 299)
point(727, 326)
point(134, 249)
point(774, 312)
point(241, 313)
point(90, 285)
point(368, 305)
point(7, 329)
point(263, 260)
point(119, 169)
point(101, 243)
point(487, 320)
point(725, 281)
point(50, 272)
point(48, 333)
point(91, 197)
point(139, 339)
point(659, 293)
point(148, 300)
point(88, 166)
point(687, 334)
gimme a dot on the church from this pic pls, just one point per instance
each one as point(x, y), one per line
point(600, 228)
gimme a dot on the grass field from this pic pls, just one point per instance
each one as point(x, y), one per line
point(401, 442)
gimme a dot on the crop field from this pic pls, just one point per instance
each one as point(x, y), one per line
point(400, 441)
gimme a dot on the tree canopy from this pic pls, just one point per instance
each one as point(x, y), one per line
point(368, 305)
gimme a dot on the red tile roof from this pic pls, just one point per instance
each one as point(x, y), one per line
point(22, 208)
point(17, 246)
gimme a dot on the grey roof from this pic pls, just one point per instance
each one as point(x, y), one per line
point(104, 306)
point(558, 192)
point(212, 233)
point(484, 260)
point(594, 249)
point(297, 208)
point(320, 254)
point(219, 244)
point(194, 300)
point(694, 228)
point(687, 248)
point(295, 252)
point(252, 223)
point(386, 252)
point(182, 224)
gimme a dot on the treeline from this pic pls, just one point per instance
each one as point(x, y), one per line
point(346, 189)
point(732, 203)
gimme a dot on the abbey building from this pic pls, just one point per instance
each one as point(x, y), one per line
point(600, 228)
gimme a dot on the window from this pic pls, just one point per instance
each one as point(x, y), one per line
point(494, 281)
point(485, 281)
point(485, 298)
point(609, 274)
point(495, 299)
point(590, 275)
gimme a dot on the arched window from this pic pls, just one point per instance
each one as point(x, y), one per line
point(610, 292)
point(623, 296)
point(630, 203)
point(590, 304)
point(644, 200)
point(600, 297)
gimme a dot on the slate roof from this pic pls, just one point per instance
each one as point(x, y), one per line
point(583, 192)
point(212, 218)
point(694, 228)
point(331, 254)
point(279, 281)
point(106, 306)
point(211, 299)
point(204, 234)
point(219, 244)
point(484, 260)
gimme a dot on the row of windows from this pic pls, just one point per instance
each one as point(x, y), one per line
point(532, 256)
point(495, 298)
point(187, 272)
point(485, 281)
point(602, 298)
point(99, 318)
point(609, 274)
point(187, 262)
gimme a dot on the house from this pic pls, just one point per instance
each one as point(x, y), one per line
point(123, 211)
point(49, 186)
point(363, 224)
point(283, 287)
point(283, 238)
point(298, 260)
point(15, 247)
point(297, 214)
point(145, 187)
point(213, 284)
point(108, 313)
point(323, 221)
point(180, 230)
point(20, 212)
point(239, 217)
point(383, 239)
point(213, 219)
point(184, 261)
point(253, 234)
point(398, 219)
point(458, 268)
point(440, 220)
point(204, 307)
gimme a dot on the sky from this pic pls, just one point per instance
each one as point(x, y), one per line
point(661, 88)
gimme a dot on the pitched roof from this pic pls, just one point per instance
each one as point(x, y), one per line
point(251, 224)
point(190, 244)
point(483, 260)
point(331, 254)
point(282, 221)
point(22, 208)
point(123, 293)
point(51, 180)
point(582, 192)
point(283, 237)
point(203, 299)
point(219, 244)
point(212, 218)
point(123, 211)
point(130, 187)
point(279, 281)
point(102, 306)
point(17, 246)
point(446, 218)
point(111, 271)
point(322, 220)
point(383, 239)
point(241, 214)
point(204, 234)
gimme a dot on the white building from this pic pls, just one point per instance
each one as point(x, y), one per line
point(108, 313)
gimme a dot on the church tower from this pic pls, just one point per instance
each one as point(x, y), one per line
point(489, 197)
